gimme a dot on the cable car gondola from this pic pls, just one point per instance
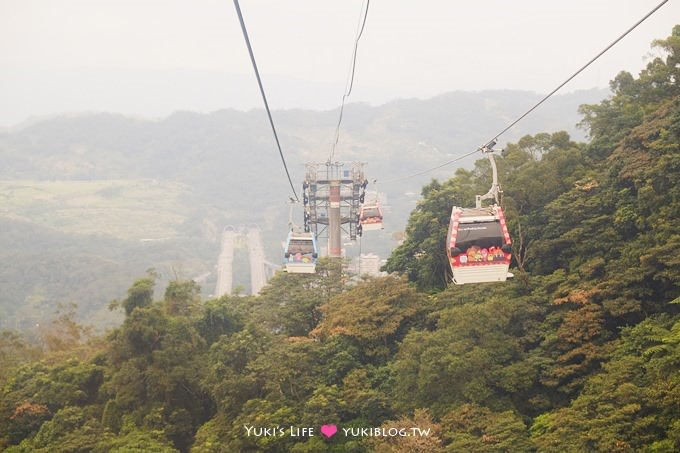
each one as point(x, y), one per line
point(370, 213)
point(370, 217)
point(301, 253)
point(478, 244)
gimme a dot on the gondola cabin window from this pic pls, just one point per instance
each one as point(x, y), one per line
point(300, 246)
point(480, 242)
point(371, 212)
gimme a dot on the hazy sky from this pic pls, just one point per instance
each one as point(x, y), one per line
point(152, 57)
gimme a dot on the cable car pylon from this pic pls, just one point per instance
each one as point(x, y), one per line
point(332, 194)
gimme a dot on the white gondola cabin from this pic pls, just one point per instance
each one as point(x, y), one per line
point(301, 253)
point(478, 245)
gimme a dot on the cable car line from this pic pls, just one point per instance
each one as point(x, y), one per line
point(350, 84)
point(495, 138)
point(389, 181)
point(489, 144)
point(264, 97)
point(478, 243)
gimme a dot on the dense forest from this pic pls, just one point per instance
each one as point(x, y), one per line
point(579, 352)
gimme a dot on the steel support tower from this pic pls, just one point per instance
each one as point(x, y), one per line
point(333, 193)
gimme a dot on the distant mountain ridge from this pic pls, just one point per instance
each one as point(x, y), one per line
point(453, 120)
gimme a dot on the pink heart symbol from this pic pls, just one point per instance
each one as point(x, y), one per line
point(329, 430)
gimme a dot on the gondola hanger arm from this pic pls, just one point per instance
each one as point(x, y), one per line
point(495, 190)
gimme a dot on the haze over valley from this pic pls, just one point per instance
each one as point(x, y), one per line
point(91, 201)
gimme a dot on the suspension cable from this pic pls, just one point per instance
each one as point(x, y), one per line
point(350, 82)
point(495, 138)
point(264, 97)
point(489, 144)
point(430, 169)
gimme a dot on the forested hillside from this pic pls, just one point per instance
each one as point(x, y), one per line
point(579, 352)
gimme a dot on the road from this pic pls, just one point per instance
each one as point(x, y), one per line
point(258, 273)
point(259, 268)
point(225, 263)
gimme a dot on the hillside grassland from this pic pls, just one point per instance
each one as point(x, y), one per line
point(124, 209)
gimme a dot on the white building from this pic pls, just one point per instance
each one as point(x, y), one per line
point(369, 263)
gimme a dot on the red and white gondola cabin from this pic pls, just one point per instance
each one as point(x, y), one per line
point(371, 217)
point(478, 245)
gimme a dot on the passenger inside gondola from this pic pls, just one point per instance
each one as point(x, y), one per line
point(300, 251)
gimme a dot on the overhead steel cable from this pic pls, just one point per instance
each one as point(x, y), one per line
point(350, 83)
point(389, 181)
point(264, 97)
point(546, 97)
point(489, 144)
